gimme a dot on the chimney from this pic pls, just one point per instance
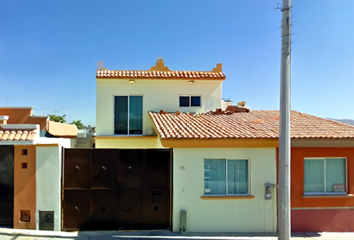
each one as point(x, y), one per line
point(218, 68)
point(3, 119)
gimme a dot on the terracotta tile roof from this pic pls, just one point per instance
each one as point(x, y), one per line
point(17, 135)
point(161, 75)
point(160, 71)
point(246, 125)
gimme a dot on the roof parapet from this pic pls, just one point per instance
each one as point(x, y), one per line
point(218, 68)
point(160, 66)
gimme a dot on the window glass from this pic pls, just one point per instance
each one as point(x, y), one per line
point(183, 101)
point(135, 115)
point(195, 101)
point(314, 176)
point(214, 176)
point(335, 175)
point(237, 176)
point(121, 115)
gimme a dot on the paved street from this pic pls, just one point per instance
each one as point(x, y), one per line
point(13, 234)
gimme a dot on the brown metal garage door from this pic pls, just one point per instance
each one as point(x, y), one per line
point(110, 189)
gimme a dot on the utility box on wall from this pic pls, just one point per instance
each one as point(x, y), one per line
point(46, 220)
point(183, 221)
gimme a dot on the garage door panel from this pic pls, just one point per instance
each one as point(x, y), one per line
point(104, 168)
point(104, 212)
point(129, 205)
point(130, 168)
point(155, 208)
point(156, 169)
point(77, 168)
point(76, 209)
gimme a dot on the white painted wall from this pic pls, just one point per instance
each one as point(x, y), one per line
point(65, 142)
point(232, 215)
point(157, 95)
point(48, 185)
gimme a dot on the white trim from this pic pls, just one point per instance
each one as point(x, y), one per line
point(4, 117)
point(16, 143)
point(19, 126)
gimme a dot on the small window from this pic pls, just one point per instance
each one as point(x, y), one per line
point(189, 101)
point(226, 177)
point(24, 165)
point(24, 151)
point(325, 176)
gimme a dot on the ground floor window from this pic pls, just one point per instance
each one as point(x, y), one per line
point(226, 177)
point(325, 176)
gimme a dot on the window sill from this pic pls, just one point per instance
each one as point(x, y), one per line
point(125, 137)
point(225, 197)
point(329, 196)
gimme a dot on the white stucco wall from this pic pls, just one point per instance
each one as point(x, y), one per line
point(65, 142)
point(231, 215)
point(48, 185)
point(157, 95)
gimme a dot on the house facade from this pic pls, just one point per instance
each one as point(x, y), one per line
point(133, 109)
point(135, 93)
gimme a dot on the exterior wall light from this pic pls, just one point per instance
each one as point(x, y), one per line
point(191, 82)
point(131, 81)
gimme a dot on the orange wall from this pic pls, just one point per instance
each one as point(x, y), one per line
point(297, 177)
point(25, 186)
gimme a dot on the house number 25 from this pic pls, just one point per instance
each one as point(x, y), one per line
point(182, 168)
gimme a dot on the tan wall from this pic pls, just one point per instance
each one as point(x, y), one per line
point(128, 142)
point(157, 95)
point(25, 186)
point(240, 214)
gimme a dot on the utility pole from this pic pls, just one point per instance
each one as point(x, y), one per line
point(284, 206)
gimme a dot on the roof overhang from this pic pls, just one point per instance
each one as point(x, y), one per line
point(220, 143)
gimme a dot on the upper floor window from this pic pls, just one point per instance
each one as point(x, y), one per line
point(128, 115)
point(226, 177)
point(189, 101)
point(325, 175)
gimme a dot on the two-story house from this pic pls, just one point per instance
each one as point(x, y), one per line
point(210, 184)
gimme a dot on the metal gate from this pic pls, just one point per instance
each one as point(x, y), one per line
point(6, 185)
point(110, 189)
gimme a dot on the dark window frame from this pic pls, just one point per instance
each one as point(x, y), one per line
point(190, 100)
point(128, 116)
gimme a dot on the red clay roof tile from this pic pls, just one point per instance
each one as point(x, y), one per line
point(17, 135)
point(246, 125)
point(160, 75)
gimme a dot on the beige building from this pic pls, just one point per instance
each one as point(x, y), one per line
point(218, 182)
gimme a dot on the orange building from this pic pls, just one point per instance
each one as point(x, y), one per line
point(322, 187)
point(30, 167)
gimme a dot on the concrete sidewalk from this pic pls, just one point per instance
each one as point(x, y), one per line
point(16, 234)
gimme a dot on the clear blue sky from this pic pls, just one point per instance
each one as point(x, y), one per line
point(49, 50)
